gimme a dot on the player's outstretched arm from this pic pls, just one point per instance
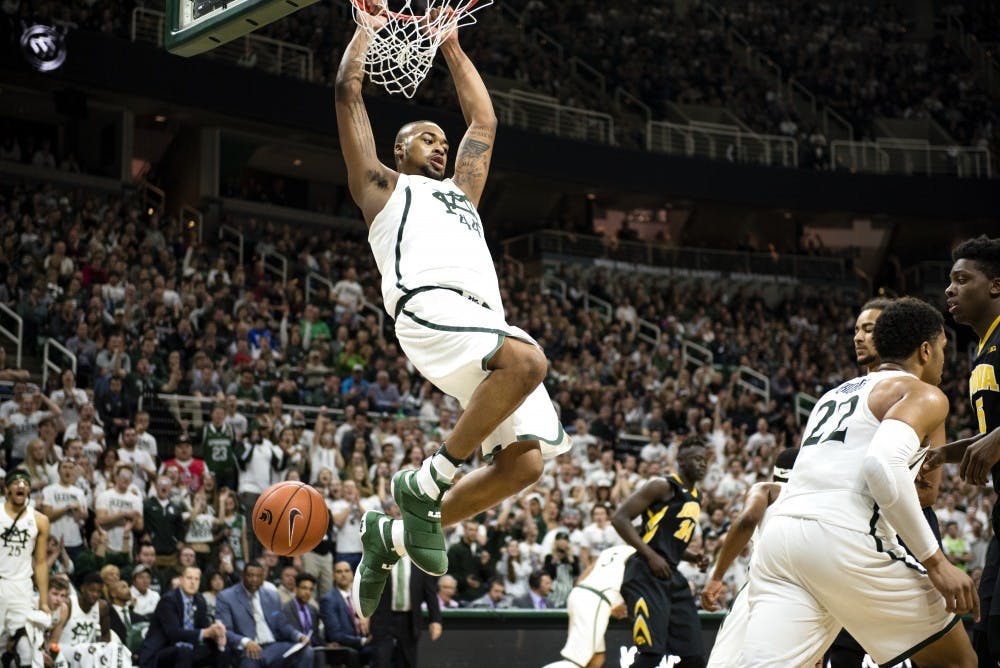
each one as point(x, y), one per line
point(472, 162)
point(370, 182)
point(952, 453)
point(655, 490)
point(757, 501)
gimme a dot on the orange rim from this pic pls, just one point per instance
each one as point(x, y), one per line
point(363, 6)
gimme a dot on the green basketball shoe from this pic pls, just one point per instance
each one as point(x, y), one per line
point(422, 535)
point(377, 559)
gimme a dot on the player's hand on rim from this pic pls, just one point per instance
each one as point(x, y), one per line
point(446, 26)
point(374, 15)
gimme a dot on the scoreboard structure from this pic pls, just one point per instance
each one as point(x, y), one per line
point(196, 26)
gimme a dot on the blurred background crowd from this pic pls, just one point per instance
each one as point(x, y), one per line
point(200, 382)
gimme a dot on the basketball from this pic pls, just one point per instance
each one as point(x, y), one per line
point(290, 518)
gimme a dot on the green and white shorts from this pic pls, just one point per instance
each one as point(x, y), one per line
point(450, 338)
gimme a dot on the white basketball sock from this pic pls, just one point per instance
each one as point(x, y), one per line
point(397, 537)
point(435, 473)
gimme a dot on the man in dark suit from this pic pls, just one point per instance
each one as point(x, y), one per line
point(305, 618)
point(341, 622)
point(395, 623)
point(256, 629)
point(540, 585)
point(180, 635)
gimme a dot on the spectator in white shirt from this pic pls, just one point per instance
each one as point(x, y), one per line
point(347, 293)
point(119, 511)
point(597, 536)
point(144, 440)
point(760, 439)
point(66, 507)
point(145, 598)
point(654, 450)
point(142, 463)
point(733, 485)
point(605, 473)
point(69, 398)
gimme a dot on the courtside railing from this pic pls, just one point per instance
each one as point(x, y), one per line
point(911, 156)
point(232, 239)
point(16, 334)
point(600, 306)
point(649, 332)
point(721, 142)
point(551, 284)
point(803, 406)
point(696, 354)
point(753, 381)
point(252, 51)
point(49, 363)
point(541, 113)
point(277, 264)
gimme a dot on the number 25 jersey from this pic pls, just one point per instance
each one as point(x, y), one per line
point(827, 483)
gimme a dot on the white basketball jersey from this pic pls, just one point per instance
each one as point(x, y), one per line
point(17, 544)
point(82, 627)
point(609, 571)
point(429, 234)
point(827, 483)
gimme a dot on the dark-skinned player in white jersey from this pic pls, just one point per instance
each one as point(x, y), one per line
point(440, 287)
point(24, 536)
point(852, 492)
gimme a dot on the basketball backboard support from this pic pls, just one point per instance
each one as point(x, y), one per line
point(196, 26)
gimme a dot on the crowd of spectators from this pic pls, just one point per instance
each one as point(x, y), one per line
point(179, 346)
point(863, 60)
point(979, 17)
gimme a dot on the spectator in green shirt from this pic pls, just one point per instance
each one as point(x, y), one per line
point(955, 547)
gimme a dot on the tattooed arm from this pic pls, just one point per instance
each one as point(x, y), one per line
point(371, 183)
point(472, 162)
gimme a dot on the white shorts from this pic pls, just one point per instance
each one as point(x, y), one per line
point(16, 602)
point(727, 651)
point(589, 613)
point(95, 655)
point(809, 578)
point(450, 339)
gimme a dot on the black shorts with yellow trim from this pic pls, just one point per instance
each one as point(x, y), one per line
point(663, 612)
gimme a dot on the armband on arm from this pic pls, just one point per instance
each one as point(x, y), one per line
point(887, 472)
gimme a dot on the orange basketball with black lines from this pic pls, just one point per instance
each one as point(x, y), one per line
point(290, 518)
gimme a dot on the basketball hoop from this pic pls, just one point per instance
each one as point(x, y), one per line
point(401, 53)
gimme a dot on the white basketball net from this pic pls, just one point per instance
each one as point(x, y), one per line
point(401, 53)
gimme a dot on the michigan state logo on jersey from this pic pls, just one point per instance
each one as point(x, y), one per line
point(15, 541)
point(83, 632)
point(459, 205)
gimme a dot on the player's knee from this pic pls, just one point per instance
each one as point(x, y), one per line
point(532, 367)
point(527, 470)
